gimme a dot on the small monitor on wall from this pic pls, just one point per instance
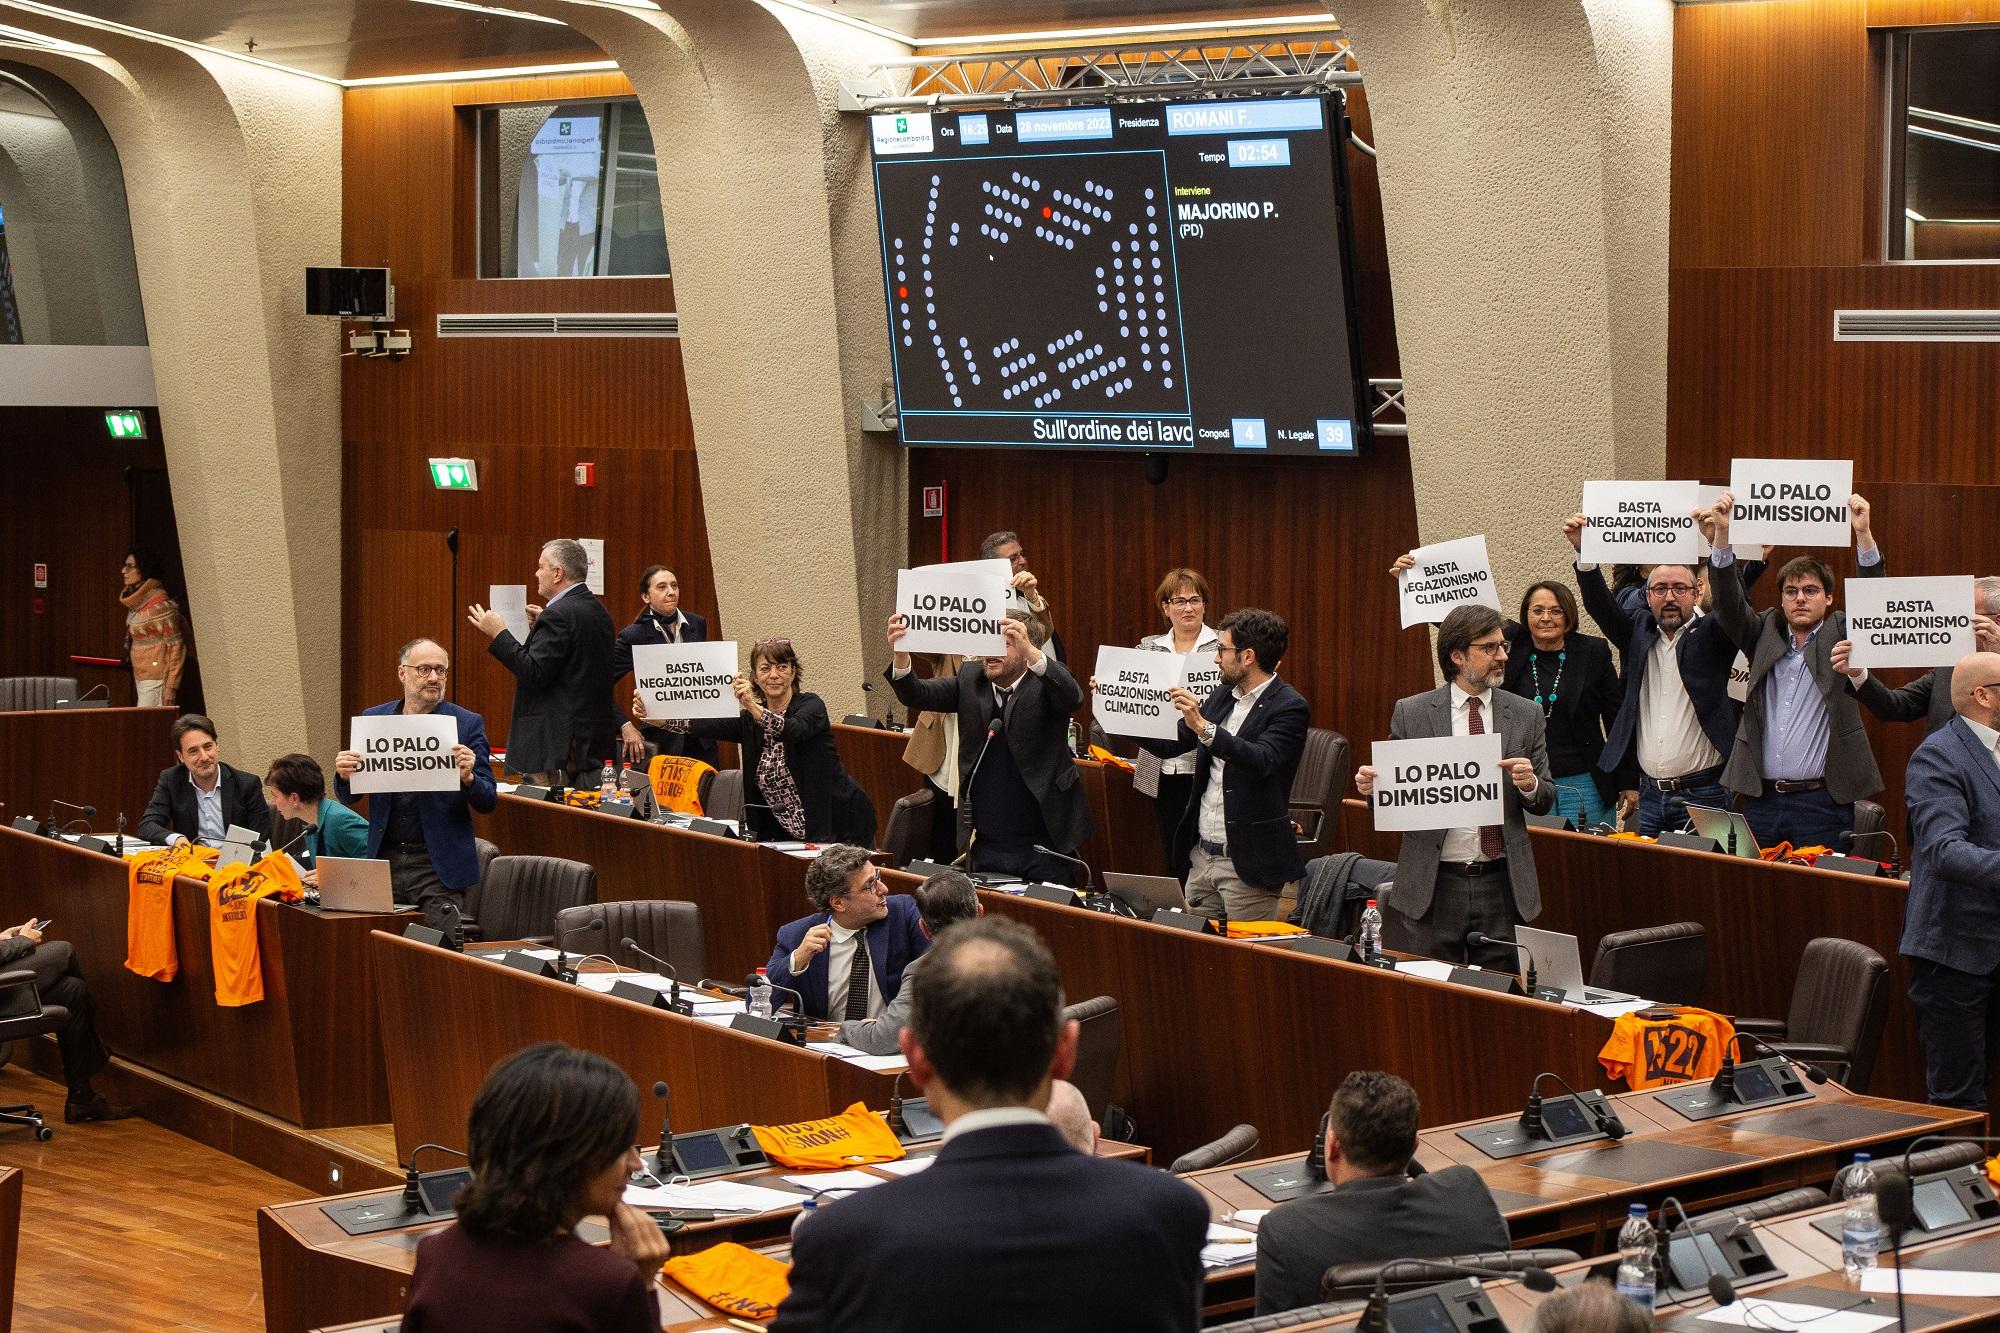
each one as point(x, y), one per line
point(350, 293)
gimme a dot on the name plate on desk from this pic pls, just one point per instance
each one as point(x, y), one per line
point(527, 962)
point(1179, 920)
point(91, 844)
point(622, 809)
point(27, 824)
point(1852, 865)
point(711, 826)
point(1284, 1181)
point(1052, 893)
point(758, 1026)
point(1690, 842)
point(423, 934)
point(648, 995)
point(1548, 821)
point(530, 792)
point(1501, 983)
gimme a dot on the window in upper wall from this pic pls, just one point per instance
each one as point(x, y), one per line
point(1944, 144)
point(569, 190)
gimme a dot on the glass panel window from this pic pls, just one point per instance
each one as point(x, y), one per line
point(1944, 144)
point(570, 191)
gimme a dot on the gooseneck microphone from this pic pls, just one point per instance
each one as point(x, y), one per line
point(1723, 1085)
point(663, 1157)
point(1721, 1286)
point(1849, 838)
point(88, 812)
point(121, 833)
point(1375, 1319)
point(1607, 1121)
point(1088, 882)
point(1527, 957)
point(563, 970)
point(413, 1187)
point(897, 1124)
point(297, 838)
point(673, 979)
point(743, 829)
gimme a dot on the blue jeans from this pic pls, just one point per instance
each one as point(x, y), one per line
point(1958, 1021)
point(1667, 811)
point(1802, 818)
point(1579, 801)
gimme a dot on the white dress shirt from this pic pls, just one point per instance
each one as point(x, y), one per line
point(1989, 739)
point(1671, 743)
point(1210, 825)
point(839, 960)
point(1461, 845)
point(209, 823)
point(1181, 764)
point(993, 1117)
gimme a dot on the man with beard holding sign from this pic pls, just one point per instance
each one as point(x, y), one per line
point(1452, 882)
point(1017, 782)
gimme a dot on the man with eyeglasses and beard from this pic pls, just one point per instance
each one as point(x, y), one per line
point(846, 960)
point(1677, 721)
point(427, 836)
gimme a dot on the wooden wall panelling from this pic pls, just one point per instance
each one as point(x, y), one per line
point(88, 756)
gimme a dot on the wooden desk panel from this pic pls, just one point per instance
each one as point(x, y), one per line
point(106, 757)
point(308, 1053)
point(479, 1012)
point(874, 759)
point(1760, 917)
point(10, 1241)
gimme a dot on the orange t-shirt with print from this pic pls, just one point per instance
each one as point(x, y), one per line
point(1654, 1052)
point(232, 925)
point(149, 908)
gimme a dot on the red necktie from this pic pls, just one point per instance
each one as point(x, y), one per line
point(1490, 845)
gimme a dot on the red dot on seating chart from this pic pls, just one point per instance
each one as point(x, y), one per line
point(902, 293)
point(1048, 212)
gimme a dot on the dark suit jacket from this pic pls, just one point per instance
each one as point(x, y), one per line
point(893, 943)
point(1037, 734)
point(836, 809)
point(1588, 700)
point(1953, 790)
point(1704, 651)
point(1011, 1230)
point(1257, 767)
point(1431, 1216)
point(1851, 773)
point(646, 631)
point(446, 815)
point(1927, 697)
point(172, 809)
point(562, 685)
point(1520, 725)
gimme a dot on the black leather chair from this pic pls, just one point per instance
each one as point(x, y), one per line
point(22, 1016)
point(1665, 963)
point(1839, 1003)
point(908, 836)
point(1234, 1146)
point(23, 693)
point(485, 851)
point(1931, 1160)
point(1299, 1318)
point(1356, 1281)
point(1870, 838)
point(724, 798)
point(519, 896)
point(1318, 788)
point(667, 929)
point(1101, 1029)
point(1758, 1210)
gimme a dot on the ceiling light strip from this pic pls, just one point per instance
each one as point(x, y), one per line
point(483, 75)
point(490, 9)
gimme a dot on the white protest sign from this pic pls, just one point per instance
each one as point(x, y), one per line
point(1791, 501)
point(593, 563)
point(1739, 679)
point(1445, 576)
point(685, 680)
point(954, 608)
point(1705, 497)
point(1438, 782)
point(1909, 622)
point(1131, 694)
point(1200, 673)
point(1639, 522)
point(404, 752)
point(509, 601)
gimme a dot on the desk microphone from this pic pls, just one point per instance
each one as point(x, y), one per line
point(1606, 1121)
point(87, 811)
point(1088, 882)
point(1375, 1319)
point(564, 972)
point(1721, 1286)
point(897, 1124)
point(993, 728)
point(296, 839)
point(663, 1158)
point(413, 1189)
point(1849, 838)
point(743, 829)
point(889, 712)
point(1723, 1085)
point(673, 977)
point(121, 833)
point(1527, 957)
point(1893, 1203)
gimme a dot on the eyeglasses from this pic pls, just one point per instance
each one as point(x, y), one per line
point(1184, 601)
point(773, 643)
point(873, 886)
point(425, 669)
point(1669, 589)
point(1806, 593)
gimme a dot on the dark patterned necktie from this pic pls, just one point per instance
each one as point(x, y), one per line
point(857, 980)
point(1489, 837)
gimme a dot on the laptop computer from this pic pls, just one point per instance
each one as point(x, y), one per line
point(1717, 825)
point(1145, 894)
point(354, 885)
point(1559, 966)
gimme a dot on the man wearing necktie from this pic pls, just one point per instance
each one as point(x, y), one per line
point(1453, 882)
point(846, 960)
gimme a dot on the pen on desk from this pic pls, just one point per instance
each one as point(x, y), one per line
point(747, 1325)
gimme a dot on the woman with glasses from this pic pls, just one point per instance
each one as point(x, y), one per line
point(1183, 599)
point(661, 620)
point(794, 786)
point(1571, 678)
point(550, 1139)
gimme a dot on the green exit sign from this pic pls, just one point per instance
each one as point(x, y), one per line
point(126, 424)
point(455, 474)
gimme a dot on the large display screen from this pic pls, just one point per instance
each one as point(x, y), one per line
point(1152, 276)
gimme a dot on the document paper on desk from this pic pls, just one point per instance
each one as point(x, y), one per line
point(820, 1182)
point(1228, 1245)
point(721, 1195)
point(1933, 1282)
point(1750, 1312)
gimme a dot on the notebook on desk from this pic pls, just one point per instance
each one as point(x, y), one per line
point(354, 885)
point(1145, 894)
point(1559, 966)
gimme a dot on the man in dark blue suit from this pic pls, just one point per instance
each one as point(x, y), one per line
point(1236, 834)
point(1951, 928)
point(1011, 1228)
point(847, 959)
point(427, 836)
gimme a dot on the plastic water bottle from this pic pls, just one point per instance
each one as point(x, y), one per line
point(607, 783)
point(805, 1214)
point(1072, 737)
point(1860, 1225)
point(1637, 1259)
point(1369, 940)
point(758, 1002)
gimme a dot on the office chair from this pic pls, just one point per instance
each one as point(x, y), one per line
point(908, 836)
point(519, 896)
point(23, 1015)
point(1665, 963)
point(1356, 1281)
point(1839, 1004)
point(662, 927)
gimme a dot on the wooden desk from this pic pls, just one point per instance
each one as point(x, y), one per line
point(455, 1017)
point(1220, 1032)
point(1760, 917)
point(10, 1241)
point(106, 757)
point(309, 1053)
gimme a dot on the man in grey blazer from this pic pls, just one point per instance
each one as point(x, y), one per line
point(1801, 758)
point(1452, 882)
